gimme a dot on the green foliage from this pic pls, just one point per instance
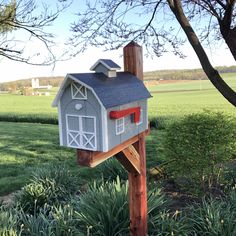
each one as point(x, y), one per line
point(229, 176)
point(8, 222)
point(104, 210)
point(52, 186)
point(198, 144)
point(213, 217)
point(160, 220)
point(59, 221)
point(110, 169)
point(7, 16)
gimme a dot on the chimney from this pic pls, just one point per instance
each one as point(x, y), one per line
point(133, 59)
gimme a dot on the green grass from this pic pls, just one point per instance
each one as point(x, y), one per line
point(11, 103)
point(198, 85)
point(24, 147)
point(171, 101)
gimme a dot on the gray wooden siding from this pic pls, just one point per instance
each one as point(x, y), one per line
point(131, 128)
point(90, 107)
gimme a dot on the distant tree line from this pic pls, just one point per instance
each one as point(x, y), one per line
point(191, 74)
point(19, 84)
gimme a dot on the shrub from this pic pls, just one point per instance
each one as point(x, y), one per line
point(213, 217)
point(51, 185)
point(198, 144)
point(26, 118)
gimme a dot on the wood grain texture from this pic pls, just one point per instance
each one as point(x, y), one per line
point(130, 159)
point(138, 193)
point(133, 63)
point(133, 59)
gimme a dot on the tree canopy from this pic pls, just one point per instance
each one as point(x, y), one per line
point(112, 24)
point(25, 21)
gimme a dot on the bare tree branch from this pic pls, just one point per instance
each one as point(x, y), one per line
point(25, 16)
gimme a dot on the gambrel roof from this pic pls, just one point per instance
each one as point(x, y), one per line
point(122, 89)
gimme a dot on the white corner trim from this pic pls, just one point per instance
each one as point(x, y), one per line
point(104, 129)
point(147, 126)
point(60, 91)
point(60, 123)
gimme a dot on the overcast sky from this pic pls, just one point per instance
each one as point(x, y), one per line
point(14, 70)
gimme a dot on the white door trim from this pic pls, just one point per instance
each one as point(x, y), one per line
point(81, 138)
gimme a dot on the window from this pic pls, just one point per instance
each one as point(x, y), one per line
point(141, 118)
point(120, 126)
point(78, 91)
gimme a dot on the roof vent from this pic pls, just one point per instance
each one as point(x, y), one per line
point(106, 66)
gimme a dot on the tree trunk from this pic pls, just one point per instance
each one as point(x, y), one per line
point(212, 74)
point(230, 40)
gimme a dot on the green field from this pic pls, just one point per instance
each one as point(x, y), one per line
point(26, 146)
point(169, 101)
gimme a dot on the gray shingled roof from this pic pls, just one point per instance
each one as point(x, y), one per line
point(107, 63)
point(123, 89)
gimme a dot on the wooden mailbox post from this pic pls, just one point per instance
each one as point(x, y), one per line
point(131, 154)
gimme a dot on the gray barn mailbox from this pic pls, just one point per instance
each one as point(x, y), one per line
point(98, 111)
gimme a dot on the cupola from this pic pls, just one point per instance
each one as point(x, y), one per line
point(106, 66)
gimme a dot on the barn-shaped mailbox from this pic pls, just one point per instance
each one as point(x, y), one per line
point(100, 110)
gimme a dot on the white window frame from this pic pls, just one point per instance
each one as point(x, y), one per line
point(141, 118)
point(120, 127)
point(78, 88)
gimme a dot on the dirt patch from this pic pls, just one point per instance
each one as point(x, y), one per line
point(7, 199)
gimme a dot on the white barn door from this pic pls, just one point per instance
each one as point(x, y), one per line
point(81, 132)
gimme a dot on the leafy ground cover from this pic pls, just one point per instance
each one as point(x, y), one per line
point(50, 205)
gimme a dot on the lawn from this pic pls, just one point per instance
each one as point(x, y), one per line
point(24, 147)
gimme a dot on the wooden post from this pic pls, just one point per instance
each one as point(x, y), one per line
point(133, 62)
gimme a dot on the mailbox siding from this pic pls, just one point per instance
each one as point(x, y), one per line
point(90, 108)
point(131, 128)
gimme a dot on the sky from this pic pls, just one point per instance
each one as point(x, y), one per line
point(11, 70)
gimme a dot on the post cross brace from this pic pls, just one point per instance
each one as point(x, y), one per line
point(125, 153)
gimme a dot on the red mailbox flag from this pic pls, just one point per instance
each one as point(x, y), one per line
point(126, 112)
